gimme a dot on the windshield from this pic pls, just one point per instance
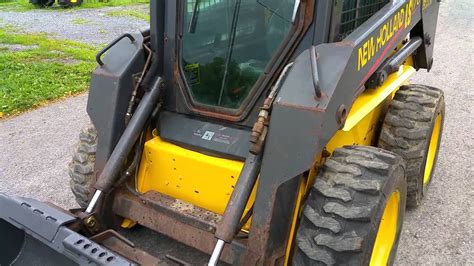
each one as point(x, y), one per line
point(227, 45)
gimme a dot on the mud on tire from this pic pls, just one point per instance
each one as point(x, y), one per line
point(81, 167)
point(407, 130)
point(343, 211)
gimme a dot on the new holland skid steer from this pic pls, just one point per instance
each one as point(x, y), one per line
point(256, 132)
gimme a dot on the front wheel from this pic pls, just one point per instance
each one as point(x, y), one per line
point(354, 212)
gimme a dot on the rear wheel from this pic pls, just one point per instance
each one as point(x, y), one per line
point(412, 128)
point(354, 212)
point(81, 167)
point(44, 3)
point(83, 178)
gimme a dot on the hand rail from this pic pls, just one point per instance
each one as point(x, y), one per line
point(114, 42)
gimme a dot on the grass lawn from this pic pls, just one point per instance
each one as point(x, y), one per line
point(97, 3)
point(35, 69)
point(24, 5)
point(129, 13)
point(13, 6)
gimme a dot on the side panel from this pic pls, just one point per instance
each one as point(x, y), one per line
point(427, 29)
point(110, 91)
point(217, 139)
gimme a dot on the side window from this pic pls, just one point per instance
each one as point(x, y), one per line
point(227, 44)
point(203, 5)
point(350, 14)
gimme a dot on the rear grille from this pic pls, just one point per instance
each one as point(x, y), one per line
point(353, 14)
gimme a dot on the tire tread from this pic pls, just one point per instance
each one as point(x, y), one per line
point(334, 230)
point(81, 167)
point(406, 131)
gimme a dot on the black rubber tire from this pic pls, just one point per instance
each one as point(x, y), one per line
point(40, 4)
point(407, 130)
point(342, 213)
point(81, 167)
point(44, 3)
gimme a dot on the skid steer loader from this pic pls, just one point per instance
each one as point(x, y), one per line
point(255, 131)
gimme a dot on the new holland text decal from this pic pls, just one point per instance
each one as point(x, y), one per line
point(382, 38)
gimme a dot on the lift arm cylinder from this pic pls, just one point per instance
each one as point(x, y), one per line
point(113, 166)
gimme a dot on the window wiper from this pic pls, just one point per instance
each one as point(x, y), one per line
point(194, 17)
point(233, 30)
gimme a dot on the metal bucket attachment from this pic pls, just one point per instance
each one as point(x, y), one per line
point(35, 233)
point(19, 248)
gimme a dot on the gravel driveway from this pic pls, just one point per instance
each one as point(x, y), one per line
point(35, 147)
point(92, 26)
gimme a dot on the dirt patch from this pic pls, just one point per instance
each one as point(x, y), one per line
point(65, 61)
point(17, 47)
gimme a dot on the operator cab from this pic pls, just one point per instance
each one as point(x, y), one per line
point(227, 45)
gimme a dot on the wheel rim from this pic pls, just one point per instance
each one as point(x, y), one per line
point(387, 231)
point(432, 150)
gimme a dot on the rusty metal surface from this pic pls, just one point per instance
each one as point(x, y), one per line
point(178, 260)
point(182, 210)
point(87, 223)
point(157, 212)
point(137, 255)
point(269, 233)
point(110, 233)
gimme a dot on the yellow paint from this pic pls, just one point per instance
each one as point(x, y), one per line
point(127, 223)
point(364, 116)
point(409, 61)
point(370, 99)
point(426, 4)
point(313, 172)
point(387, 231)
point(202, 180)
point(296, 216)
point(365, 53)
point(433, 149)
